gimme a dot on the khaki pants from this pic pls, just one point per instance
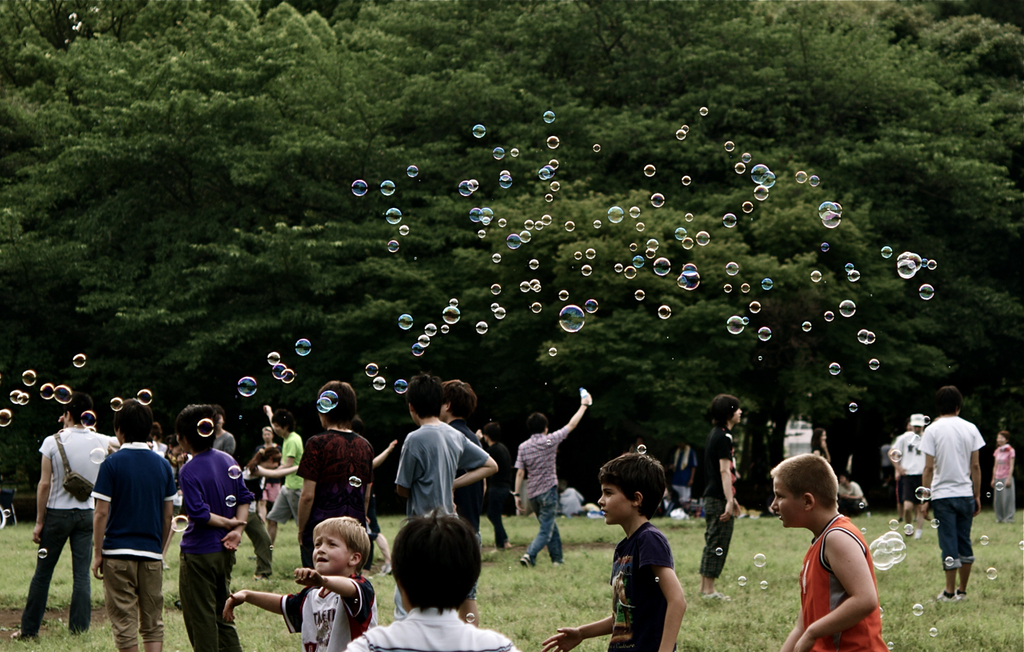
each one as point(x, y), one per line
point(132, 592)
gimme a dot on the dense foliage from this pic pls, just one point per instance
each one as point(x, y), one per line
point(176, 204)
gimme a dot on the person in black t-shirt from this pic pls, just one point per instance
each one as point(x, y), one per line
point(499, 485)
point(719, 495)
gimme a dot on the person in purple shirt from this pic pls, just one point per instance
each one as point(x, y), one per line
point(216, 501)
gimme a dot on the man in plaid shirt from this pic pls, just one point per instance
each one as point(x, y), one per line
point(537, 460)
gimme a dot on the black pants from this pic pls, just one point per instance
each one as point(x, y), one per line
point(496, 497)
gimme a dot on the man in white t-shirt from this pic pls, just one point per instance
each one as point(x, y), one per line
point(953, 474)
point(61, 517)
point(909, 468)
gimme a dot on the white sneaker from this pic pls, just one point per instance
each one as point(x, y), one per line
point(715, 596)
point(917, 534)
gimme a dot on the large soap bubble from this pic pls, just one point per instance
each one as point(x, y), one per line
point(888, 550)
point(571, 318)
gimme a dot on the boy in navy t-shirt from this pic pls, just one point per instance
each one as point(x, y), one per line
point(134, 493)
point(648, 603)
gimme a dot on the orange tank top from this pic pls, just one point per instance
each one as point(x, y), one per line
point(821, 593)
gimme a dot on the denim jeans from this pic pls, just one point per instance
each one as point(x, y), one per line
point(955, 517)
point(496, 497)
point(545, 507)
point(59, 526)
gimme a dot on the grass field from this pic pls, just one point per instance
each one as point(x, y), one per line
point(528, 604)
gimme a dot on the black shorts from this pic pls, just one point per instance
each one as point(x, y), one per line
point(908, 487)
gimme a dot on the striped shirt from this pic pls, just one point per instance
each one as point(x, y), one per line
point(537, 456)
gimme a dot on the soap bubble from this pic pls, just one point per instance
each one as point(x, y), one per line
point(689, 277)
point(549, 117)
point(664, 311)
point(729, 220)
point(874, 364)
point(719, 552)
point(815, 276)
point(28, 377)
point(401, 386)
point(303, 347)
point(649, 170)
point(923, 493)
point(479, 131)
point(829, 315)
point(379, 383)
point(43, 553)
point(907, 264)
point(703, 238)
point(935, 524)
point(806, 326)
point(761, 193)
point(46, 391)
point(590, 305)
point(230, 501)
point(886, 251)
point(513, 241)
point(116, 403)
point(766, 284)
point(991, 573)
point(662, 266)
point(234, 472)
point(657, 200)
point(372, 369)
point(703, 111)
point(450, 315)
point(144, 396)
point(801, 176)
point(933, 632)
point(205, 427)
point(571, 318)
point(926, 292)
point(393, 215)
point(948, 562)
point(760, 560)
point(853, 276)
point(553, 142)
point(740, 167)
point(569, 226)
point(88, 418)
point(735, 324)
point(834, 368)
point(640, 295)
point(732, 268)
point(6, 416)
point(1000, 485)
point(79, 360)
point(273, 358)
point(758, 172)
point(247, 386)
point(741, 580)
point(814, 181)
point(597, 147)
point(764, 585)
point(764, 333)
point(932, 264)
point(359, 187)
point(754, 307)
point(852, 407)
point(387, 187)
point(847, 308)
point(918, 609)
point(393, 246)
point(824, 247)
point(888, 550)
point(686, 180)
point(179, 523)
point(895, 455)
point(97, 455)
point(563, 295)
point(908, 529)
point(481, 327)
point(615, 214)
point(405, 321)
point(831, 214)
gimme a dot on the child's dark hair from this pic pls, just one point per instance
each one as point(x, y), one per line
point(186, 425)
point(634, 472)
point(425, 395)
point(460, 397)
point(80, 403)
point(283, 418)
point(493, 430)
point(948, 400)
point(357, 425)
point(536, 423)
point(722, 408)
point(431, 547)
point(134, 420)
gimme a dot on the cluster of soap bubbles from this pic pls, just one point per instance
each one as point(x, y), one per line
point(888, 550)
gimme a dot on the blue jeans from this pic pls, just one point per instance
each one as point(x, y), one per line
point(496, 497)
point(545, 507)
point(59, 526)
point(955, 517)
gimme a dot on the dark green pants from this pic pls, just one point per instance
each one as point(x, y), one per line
point(204, 586)
point(257, 533)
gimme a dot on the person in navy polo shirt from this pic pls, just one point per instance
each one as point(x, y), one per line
point(134, 493)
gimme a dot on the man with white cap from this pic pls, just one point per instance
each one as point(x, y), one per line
point(910, 467)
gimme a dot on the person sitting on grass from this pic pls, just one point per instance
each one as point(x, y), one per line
point(340, 544)
point(428, 549)
point(649, 602)
point(838, 596)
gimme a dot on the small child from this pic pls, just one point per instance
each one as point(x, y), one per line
point(838, 598)
point(435, 561)
point(649, 603)
point(340, 545)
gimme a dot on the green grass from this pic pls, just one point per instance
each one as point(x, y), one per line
point(528, 604)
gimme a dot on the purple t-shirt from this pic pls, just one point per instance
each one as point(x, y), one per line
point(639, 605)
point(205, 489)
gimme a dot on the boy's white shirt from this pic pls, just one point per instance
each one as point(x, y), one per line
point(325, 624)
point(431, 630)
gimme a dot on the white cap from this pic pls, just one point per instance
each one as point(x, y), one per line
point(917, 420)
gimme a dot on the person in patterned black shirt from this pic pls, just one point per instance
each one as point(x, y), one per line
point(336, 470)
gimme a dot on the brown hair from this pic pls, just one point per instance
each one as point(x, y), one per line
point(809, 474)
point(460, 396)
point(266, 454)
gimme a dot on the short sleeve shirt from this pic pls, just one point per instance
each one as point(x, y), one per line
point(909, 446)
point(1003, 455)
point(430, 457)
point(537, 457)
point(79, 444)
point(327, 621)
point(719, 447)
point(292, 448)
point(639, 605)
point(951, 440)
point(341, 464)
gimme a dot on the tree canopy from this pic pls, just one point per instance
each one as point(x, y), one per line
point(177, 202)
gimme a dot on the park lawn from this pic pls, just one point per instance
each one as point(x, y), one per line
point(529, 604)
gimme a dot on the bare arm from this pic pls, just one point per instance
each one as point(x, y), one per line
point(366, 499)
point(794, 636)
point(520, 476)
point(673, 592)
point(377, 461)
point(42, 497)
point(234, 537)
point(976, 481)
point(725, 469)
point(929, 471)
point(402, 491)
point(168, 513)
point(268, 601)
point(488, 469)
point(569, 637)
point(850, 567)
point(287, 468)
point(343, 586)
point(305, 505)
point(585, 402)
point(99, 528)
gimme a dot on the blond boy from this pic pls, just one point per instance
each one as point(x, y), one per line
point(838, 598)
point(339, 547)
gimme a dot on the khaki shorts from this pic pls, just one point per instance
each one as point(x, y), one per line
point(132, 592)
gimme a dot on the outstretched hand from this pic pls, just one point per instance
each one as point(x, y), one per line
point(566, 639)
point(229, 606)
point(308, 577)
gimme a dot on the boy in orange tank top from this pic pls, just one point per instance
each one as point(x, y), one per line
point(838, 597)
